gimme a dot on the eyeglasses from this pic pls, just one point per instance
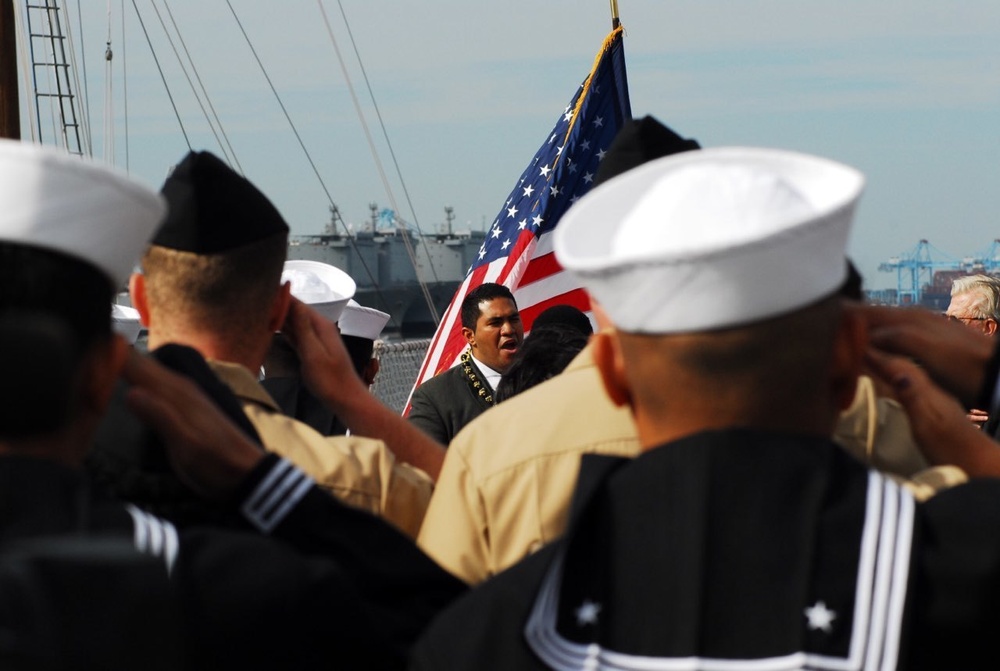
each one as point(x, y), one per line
point(962, 320)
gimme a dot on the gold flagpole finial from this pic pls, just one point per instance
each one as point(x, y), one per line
point(614, 14)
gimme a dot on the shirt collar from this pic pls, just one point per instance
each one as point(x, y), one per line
point(492, 377)
point(242, 382)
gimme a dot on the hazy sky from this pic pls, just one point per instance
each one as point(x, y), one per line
point(908, 92)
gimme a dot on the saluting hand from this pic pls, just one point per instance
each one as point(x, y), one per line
point(938, 421)
point(326, 366)
point(955, 357)
point(328, 372)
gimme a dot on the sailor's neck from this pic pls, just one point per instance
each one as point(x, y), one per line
point(210, 346)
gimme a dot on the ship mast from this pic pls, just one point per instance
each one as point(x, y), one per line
point(10, 108)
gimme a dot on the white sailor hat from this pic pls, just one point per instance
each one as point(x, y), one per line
point(712, 239)
point(72, 205)
point(125, 321)
point(361, 322)
point(324, 287)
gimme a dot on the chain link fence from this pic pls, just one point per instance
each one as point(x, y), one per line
point(399, 364)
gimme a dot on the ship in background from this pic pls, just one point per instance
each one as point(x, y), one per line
point(924, 275)
point(411, 275)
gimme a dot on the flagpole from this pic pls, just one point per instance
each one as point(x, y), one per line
point(614, 14)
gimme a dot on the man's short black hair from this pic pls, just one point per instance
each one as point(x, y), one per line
point(544, 354)
point(484, 292)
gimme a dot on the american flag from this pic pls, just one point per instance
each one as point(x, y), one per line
point(518, 248)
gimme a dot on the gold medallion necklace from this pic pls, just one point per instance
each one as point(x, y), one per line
point(477, 384)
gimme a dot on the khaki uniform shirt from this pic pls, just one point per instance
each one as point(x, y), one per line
point(508, 477)
point(362, 472)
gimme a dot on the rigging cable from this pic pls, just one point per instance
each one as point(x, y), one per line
point(354, 244)
point(156, 60)
point(197, 97)
point(24, 59)
point(72, 75)
point(67, 59)
point(83, 145)
point(378, 163)
point(51, 54)
point(125, 85)
point(385, 134)
point(204, 90)
point(85, 107)
point(109, 98)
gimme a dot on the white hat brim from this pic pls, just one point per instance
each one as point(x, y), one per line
point(337, 287)
point(75, 206)
point(673, 285)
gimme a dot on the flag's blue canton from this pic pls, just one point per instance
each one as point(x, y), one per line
point(563, 169)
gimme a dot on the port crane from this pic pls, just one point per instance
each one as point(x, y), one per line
point(915, 269)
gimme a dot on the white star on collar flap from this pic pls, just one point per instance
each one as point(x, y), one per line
point(820, 617)
point(587, 613)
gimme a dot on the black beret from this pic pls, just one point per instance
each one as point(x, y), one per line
point(640, 141)
point(213, 209)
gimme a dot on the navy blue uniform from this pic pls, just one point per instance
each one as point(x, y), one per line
point(742, 549)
